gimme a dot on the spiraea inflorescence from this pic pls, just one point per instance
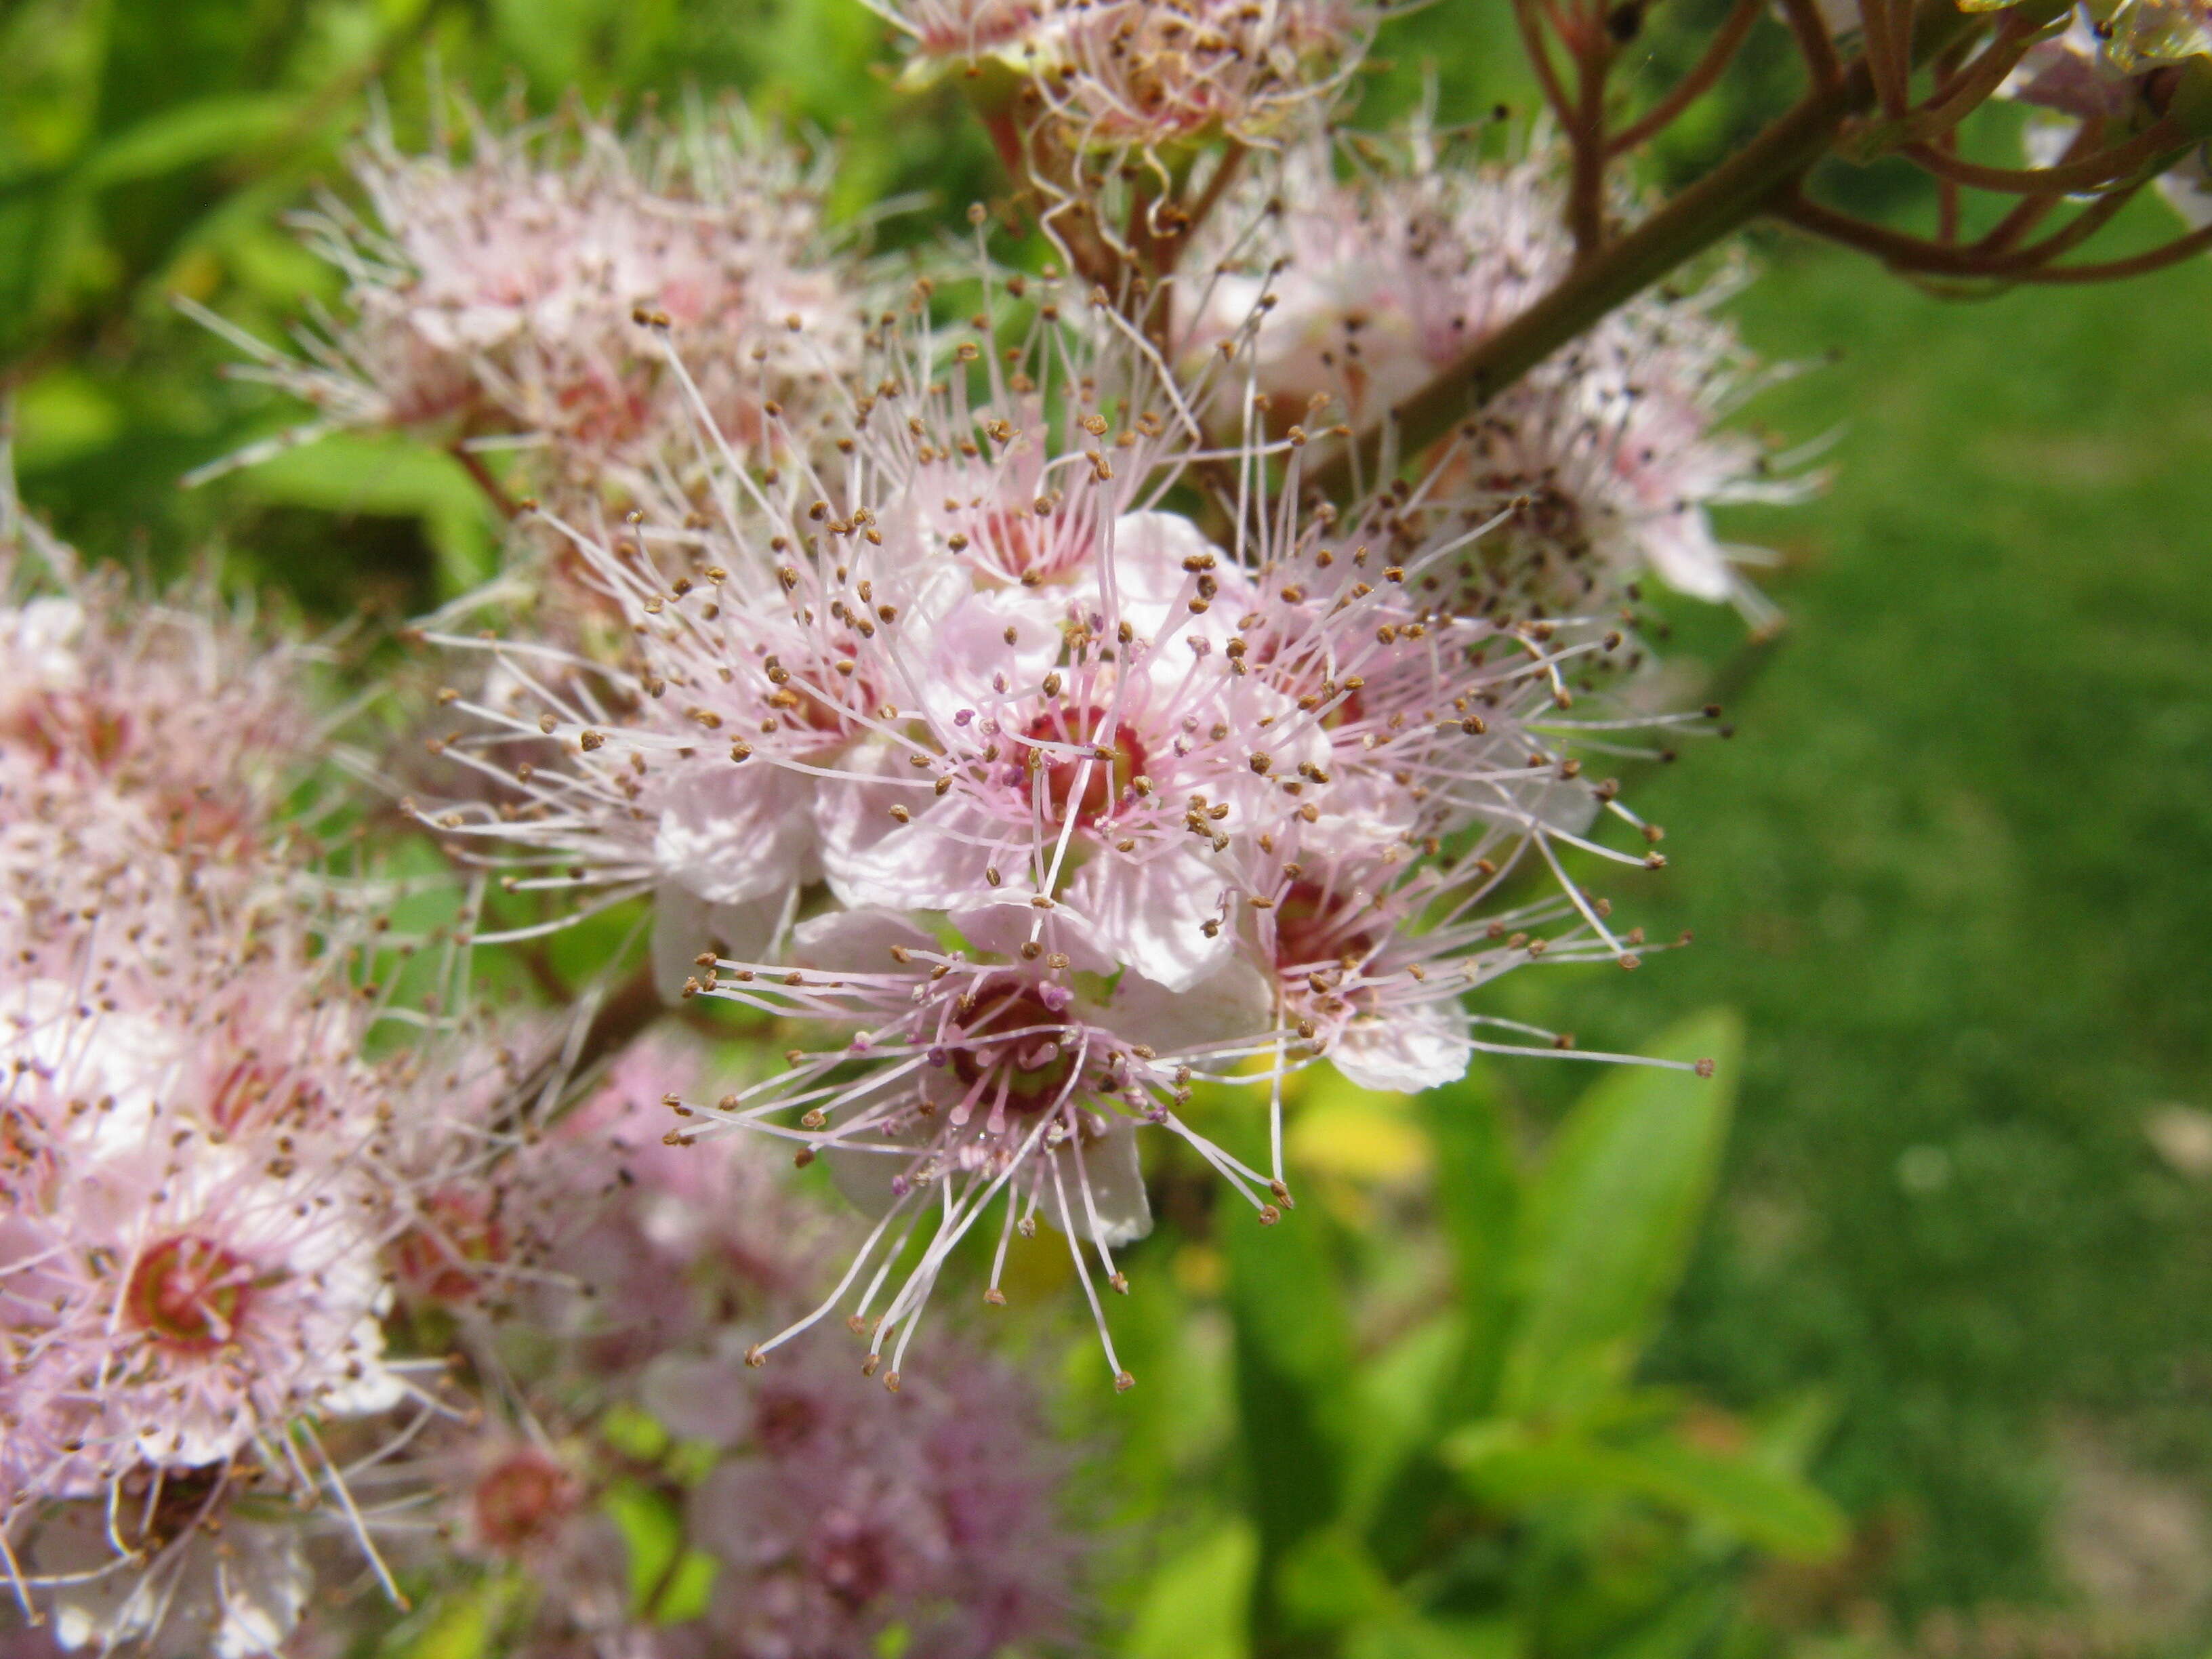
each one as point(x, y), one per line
point(1049, 757)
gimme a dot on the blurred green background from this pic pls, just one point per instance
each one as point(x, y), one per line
point(1953, 871)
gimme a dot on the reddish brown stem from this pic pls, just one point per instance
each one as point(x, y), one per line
point(1923, 258)
point(473, 464)
point(1960, 95)
point(2031, 210)
point(2090, 172)
point(1540, 60)
point(1893, 89)
point(1693, 85)
point(1814, 44)
point(1586, 187)
point(2158, 259)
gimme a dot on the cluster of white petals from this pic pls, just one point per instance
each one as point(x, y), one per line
point(1355, 290)
point(199, 1195)
point(1145, 76)
point(1049, 763)
point(497, 290)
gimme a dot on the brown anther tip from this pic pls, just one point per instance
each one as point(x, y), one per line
point(995, 1297)
point(1705, 1068)
point(891, 1381)
point(802, 1157)
point(869, 1367)
point(1269, 1215)
point(755, 1357)
point(1120, 1282)
point(1631, 962)
point(1282, 1192)
point(1123, 1381)
point(854, 1323)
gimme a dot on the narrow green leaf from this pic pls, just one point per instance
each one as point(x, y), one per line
point(1478, 1197)
point(1517, 1469)
point(187, 134)
point(1328, 1581)
point(1398, 1392)
point(1411, 1636)
point(1197, 1603)
point(1683, 1630)
point(652, 1536)
point(395, 477)
point(1294, 1349)
point(1610, 1218)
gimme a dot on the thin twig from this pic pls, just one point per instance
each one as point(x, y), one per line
point(1540, 60)
point(1923, 258)
point(1694, 84)
point(1716, 207)
point(2090, 172)
point(473, 464)
point(2158, 259)
point(1586, 185)
point(1814, 44)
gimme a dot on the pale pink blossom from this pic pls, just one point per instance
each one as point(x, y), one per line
point(1350, 294)
point(500, 290)
point(980, 760)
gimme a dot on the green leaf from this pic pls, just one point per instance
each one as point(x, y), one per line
point(396, 477)
point(1294, 1362)
point(1679, 1631)
point(1328, 1581)
point(1478, 1196)
point(1196, 1605)
point(459, 1625)
point(1740, 1493)
point(1516, 1469)
point(1415, 1637)
point(187, 134)
point(652, 1529)
point(1398, 1392)
point(1610, 1218)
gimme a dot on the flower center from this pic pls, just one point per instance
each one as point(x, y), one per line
point(523, 1499)
point(439, 1256)
point(854, 1565)
point(190, 1292)
point(1313, 925)
point(1086, 784)
point(1035, 1059)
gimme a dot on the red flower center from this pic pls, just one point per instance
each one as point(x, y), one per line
point(1087, 783)
point(189, 1292)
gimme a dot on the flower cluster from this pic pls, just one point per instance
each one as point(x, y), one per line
point(497, 294)
point(814, 1518)
point(1046, 798)
point(1146, 75)
point(1354, 292)
point(190, 1275)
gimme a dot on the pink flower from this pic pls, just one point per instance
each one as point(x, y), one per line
point(1008, 778)
point(835, 1514)
point(208, 1572)
point(1356, 294)
point(1144, 73)
point(500, 290)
